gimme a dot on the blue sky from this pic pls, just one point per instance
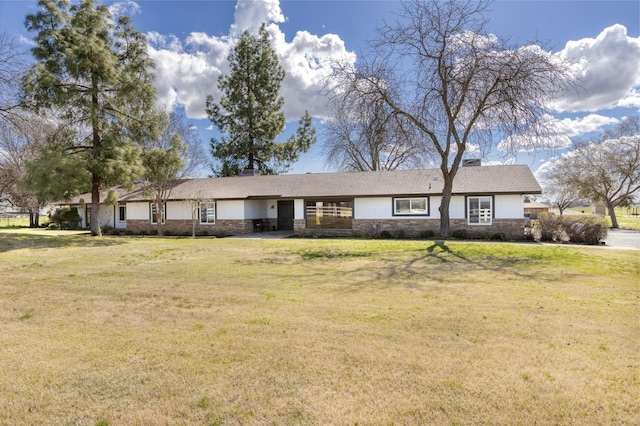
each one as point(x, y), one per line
point(190, 40)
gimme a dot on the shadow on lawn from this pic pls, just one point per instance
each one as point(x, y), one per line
point(17, 241)
point(440, 262)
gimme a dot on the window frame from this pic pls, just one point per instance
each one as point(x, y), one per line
point(312, 222)
point(152, 213)
point(491, 210)
point(427, 203)
point(200, 206)
point(122, 213)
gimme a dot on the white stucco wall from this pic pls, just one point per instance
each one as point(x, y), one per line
point(230, 209)
point(178, 210)
point(107, 218)
point(373, 208)
point(509, 206)
point(138, 210)
point(255, 209)
point(298, 209)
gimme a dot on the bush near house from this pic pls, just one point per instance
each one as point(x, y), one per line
point(574, 229)
point(66, 218)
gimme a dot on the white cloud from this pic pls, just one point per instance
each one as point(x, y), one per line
point(125, 7)
point(607, 70)
point(585, 125)
point(555, 133)
point(187, 71)
point(250, 14)
point(632, 100)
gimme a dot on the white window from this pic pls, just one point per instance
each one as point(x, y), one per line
point(208, 212)
point(411, 206)
point(154, 213)
point(122, 213)
point(480, 210)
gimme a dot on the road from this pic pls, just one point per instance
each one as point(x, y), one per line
point(623, 238)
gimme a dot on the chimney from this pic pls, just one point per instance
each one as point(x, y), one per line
point(472, 162)
point(250, 172)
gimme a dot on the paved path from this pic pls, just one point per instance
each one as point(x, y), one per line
point(623, 238)
point(268, 235)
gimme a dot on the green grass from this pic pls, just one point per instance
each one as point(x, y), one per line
point(120, 330)
point(625, 219)
point(14, 222)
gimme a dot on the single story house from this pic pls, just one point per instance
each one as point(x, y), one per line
point(486, 199)
point(533, 209)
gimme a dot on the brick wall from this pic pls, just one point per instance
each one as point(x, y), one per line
point(512, 228)
point(184, 227)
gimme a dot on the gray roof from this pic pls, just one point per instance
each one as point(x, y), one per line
point(511, 179)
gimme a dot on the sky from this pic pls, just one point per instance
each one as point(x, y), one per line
point(190, 41)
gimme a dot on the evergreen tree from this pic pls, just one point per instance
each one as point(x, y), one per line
point(249, 113)
point(96, 73)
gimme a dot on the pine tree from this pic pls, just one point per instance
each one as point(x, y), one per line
point(95, 73)
point(249, 113)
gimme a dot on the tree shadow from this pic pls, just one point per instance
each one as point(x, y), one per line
point(16, 241)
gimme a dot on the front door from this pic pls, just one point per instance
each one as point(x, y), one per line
point(285, 215)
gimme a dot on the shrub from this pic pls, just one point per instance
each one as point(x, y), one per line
point(575, 229)
point(427, 233)
point(549, 228)
point(66, 217)
point(385, 234)
point(128, 232)
point(587, 230)
point(498, 236)
point(460, 233)
point(400, 234)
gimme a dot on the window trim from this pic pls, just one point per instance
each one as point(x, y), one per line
point(163, 213)
point(122, 208)
point(329, 200)
point(215, 211)
point(492, 209)
point(423, 197)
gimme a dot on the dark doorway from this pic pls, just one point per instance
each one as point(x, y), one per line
point(285, 215)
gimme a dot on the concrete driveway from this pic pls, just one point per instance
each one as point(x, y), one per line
point(623, 238)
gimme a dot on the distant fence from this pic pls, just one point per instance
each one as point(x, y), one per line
point(13, 218)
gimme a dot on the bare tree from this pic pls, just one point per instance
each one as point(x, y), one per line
point(440, 69)
point(175, 155)
point(560, 194)
point(607, 171)
point(21, 139)
point(12, 68)
point(363, 134)
point(194, 156)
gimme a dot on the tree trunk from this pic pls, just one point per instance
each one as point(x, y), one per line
point(612, 214)
point(95, 207)
point(445, 229)
point(158, 203)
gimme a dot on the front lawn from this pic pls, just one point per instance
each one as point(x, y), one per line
point(123, 330)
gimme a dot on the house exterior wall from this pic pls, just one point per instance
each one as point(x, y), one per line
point(137, 211)
point(178, 210)
point(230, 210)
point(509, 206)
point(372, 215)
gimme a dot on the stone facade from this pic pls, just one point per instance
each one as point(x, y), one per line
point(184, 227)
point(512, 229)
